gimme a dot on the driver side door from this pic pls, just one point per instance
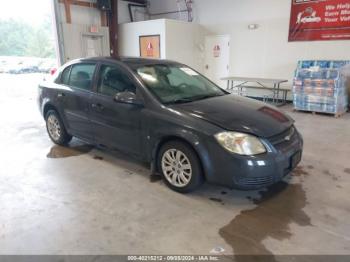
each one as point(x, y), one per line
point(115, 124)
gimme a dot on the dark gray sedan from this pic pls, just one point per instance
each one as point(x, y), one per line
point(170, 116)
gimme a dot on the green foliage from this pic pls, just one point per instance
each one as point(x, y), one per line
point(20, 39)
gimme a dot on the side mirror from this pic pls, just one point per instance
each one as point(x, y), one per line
point(128, 98)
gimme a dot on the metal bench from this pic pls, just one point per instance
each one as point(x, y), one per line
point(279, 94)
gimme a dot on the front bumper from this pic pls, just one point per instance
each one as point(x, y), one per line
point(252, 172)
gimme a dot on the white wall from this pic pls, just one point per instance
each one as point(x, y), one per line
point(129, 36)
point(83, 17)
point(180, 41)
point(183, 43)
point(264, 52)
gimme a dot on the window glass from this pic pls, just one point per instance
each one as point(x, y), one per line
point(81, 76)
point(113, 80)
point(177, 78)
point(177, 83)
point(65, 76)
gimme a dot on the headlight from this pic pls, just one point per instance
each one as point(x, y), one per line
point(239, 143)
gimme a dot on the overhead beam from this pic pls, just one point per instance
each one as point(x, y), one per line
point(113, 21)
point(68, 3)
point(67, 11)
point(103, 15)
point(79, 3)
point(82, 3)
point(139, 2)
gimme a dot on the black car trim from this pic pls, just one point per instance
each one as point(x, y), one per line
point(76, 115)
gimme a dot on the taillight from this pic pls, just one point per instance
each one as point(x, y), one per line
point(53, 71)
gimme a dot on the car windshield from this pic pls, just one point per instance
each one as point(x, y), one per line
point(177, 83)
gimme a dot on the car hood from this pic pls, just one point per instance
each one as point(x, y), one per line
point(236, 113)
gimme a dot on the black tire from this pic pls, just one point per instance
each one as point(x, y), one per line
point(196, 178)
point(63, 138)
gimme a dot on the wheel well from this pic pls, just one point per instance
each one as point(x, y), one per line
point(48, 107)
point(180, 139)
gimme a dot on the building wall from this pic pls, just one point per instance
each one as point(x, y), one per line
point(180, 41)
point(264, 52)
point(73, 40)
point(70, 36)
point(86, 15)
point(129, 34)
point(183, 43)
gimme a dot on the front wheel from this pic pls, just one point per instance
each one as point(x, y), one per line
point(55, 128)
point(180, 167)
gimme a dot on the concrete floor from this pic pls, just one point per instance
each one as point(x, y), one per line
point(85, 201)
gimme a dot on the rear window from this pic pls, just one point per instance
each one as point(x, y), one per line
point(81, 76)
point(65, 76)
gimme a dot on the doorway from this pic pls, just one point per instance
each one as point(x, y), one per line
point(92, 45)
point(217, 58)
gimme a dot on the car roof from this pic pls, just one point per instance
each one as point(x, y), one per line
point(132, 62)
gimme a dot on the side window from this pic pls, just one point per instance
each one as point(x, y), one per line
point(113, 80)
point(65, 76)
point(81, 76)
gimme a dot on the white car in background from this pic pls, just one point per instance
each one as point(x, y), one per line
point(47, 66)
point(26, 65)
point(10, 68)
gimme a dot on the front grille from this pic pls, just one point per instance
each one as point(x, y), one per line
point(255, 181)
point(282, 137)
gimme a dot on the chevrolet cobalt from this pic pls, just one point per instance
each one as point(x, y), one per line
point(166, 114)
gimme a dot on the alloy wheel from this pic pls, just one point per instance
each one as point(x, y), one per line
point(176, 167)
point(54, 127)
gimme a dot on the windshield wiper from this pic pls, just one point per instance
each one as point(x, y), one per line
point(201, 97)
point(192, 99)
point(181, 101)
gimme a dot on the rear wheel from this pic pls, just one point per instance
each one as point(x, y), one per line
point(55, 128)
point(180, 167)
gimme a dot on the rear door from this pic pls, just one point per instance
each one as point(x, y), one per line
point(75, 99)
point(116, 124)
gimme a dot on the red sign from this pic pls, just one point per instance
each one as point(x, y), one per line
point(216, 51)
point(93, 29)
point(312, 20)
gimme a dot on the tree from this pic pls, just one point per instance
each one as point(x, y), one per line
point(20, 39)
point(13, 37)
point(41, 43)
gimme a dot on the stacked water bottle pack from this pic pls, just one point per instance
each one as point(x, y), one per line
point(320, 86)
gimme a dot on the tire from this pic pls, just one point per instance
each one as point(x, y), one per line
point(182, 176)
point(55, 128)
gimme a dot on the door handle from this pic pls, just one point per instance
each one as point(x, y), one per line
point(61, 95)
point(97, 106)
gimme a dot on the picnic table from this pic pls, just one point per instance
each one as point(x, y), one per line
point(274, 85)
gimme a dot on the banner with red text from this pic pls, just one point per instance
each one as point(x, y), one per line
point(313, 20)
